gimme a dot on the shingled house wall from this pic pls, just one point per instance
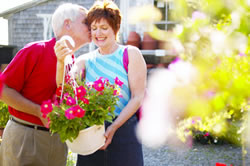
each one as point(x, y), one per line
point(26, 26)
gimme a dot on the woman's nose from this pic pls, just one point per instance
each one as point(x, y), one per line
point(98, 31)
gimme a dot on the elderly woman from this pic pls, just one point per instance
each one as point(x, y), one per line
point(112, 60)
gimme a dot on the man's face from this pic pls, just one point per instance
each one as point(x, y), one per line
point(80, 31)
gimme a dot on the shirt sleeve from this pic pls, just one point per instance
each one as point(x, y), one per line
point(20, 68)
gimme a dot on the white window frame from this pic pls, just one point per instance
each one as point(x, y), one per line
point(47, 28)
point(169, 6)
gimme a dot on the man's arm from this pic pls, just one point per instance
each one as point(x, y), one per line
point(14, 99)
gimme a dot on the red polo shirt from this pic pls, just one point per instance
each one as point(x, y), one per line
point(32, 73)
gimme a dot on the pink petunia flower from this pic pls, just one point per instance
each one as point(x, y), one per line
point(70, 101)
point(69, 113)
point(80, 91)
point(85, 101)
point(56, 102)
point(106, 81)
point(207, 134)
point(78, 111)
point(59, 91)
point(220, 164)
point(65, 96)
point(46, 108)
point(115, 93)
point(98, 85)
point(118, 82)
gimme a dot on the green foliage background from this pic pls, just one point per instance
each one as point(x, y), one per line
point(4, 114)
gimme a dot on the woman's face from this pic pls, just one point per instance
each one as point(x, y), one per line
point(102, 33)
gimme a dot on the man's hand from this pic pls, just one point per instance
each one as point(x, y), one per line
point(45, 122)
point(40, 115)
point(63, 48)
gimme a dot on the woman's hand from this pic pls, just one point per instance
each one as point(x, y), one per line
point(109, 136)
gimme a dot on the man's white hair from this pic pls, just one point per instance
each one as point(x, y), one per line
point(63, 12)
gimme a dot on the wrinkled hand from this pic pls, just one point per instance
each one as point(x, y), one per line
point(109, 136)
point(62, 50)
point(45, 122)
point(40, 115)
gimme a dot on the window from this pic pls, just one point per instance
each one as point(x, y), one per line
point(165, 8)
point(47, 28)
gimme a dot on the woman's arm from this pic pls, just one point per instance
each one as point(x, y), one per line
point(137, 76)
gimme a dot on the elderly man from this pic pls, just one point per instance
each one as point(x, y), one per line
point(30, 79)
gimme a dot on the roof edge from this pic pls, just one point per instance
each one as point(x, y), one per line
point(5, 14)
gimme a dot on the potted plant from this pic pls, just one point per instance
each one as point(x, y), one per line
point(81, 109)
point(149, 43)
point(4, 116)
point(134, 39)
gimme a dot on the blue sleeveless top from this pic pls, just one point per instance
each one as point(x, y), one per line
point(109, 66)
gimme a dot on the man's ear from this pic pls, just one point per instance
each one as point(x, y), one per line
point(67, 24)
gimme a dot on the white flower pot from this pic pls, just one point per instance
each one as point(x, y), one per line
point(88, 141)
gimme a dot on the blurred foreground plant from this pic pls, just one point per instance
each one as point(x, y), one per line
point(213, 37)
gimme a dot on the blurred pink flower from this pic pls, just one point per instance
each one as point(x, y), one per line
point(85, 101)
point(175, 60)
point(59, 91)
point(242, 54)
point(99, 85)
point(70, 101)
point(198, 15)
point(69, 113)
point(210, 94)
point(118, 82)
point(78, 111)
point(80, 91)
point(207, 134)
point(115, 92)
point(106, 81)
point(65, 96)
point(46, 108)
